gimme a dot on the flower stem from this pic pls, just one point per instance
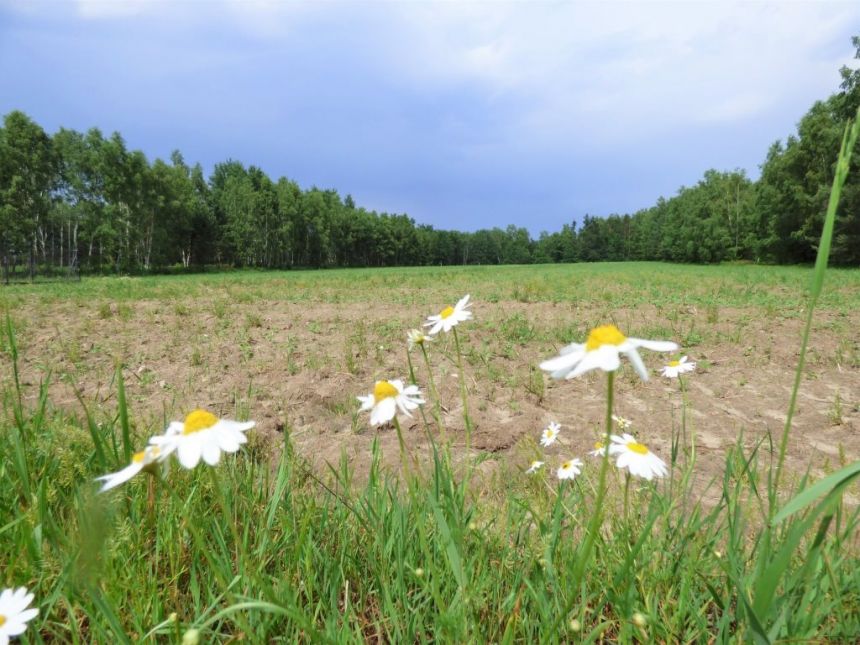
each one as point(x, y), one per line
point(597, 515)
point(403, 453)
point(412, 381)
point(437, 408)
point(627, 499)
point(691, 456)
point(466, 416)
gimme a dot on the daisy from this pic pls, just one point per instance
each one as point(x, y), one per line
point(143, 460)
point(417, 337)
point(599, 449)
point(621, 422)
point(14, 614)
point(202, 435)
point(676, 368)
point(387, 397)
point(550, 434)
point(637, 459)
point(601, 350)
point(449, 317)
point(569, 469)
point(534, 467)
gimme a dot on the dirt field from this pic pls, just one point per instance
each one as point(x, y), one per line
point(295, 363)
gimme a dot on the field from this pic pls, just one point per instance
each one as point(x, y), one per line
point(325, 528)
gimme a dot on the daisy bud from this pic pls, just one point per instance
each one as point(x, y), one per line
point(575, 625)
point(191, 637)
point(639, 619)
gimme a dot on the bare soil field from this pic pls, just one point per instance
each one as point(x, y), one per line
point(296, 365)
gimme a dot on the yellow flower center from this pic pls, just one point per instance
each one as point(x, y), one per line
point(598, 446)
point(383, 390)
point(566, 465)
point(2, 620)
point(447, 311)
point(638, 448)
point(604, 335)
point(674, 363)
point(198, 420)
point(138, 457)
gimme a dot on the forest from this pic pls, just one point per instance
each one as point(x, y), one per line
point(88, 202)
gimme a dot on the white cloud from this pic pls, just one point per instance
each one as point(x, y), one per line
point(599, 72)
point(613, 70)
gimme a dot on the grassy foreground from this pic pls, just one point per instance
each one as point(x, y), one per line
point(261, 549)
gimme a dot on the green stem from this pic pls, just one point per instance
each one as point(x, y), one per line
point(463, 394)
point(403, 453)
point(691, 456)
point(226, 509)
point(597, 515)
point(412, 381)
point(627, 498)
point(400, 437)
point(435, 394)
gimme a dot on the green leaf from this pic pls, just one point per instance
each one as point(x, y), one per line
point(826, 486)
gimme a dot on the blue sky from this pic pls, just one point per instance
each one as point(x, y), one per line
point(463, 115)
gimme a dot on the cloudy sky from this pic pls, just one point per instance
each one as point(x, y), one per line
point(461, 114)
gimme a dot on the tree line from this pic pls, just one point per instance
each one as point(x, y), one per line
point(87, 201)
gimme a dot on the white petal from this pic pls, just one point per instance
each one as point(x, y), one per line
point(637, 363)
point(594, 360)
point(240, 426)
point(188, 453)
point(562, 362)
point(623, 459)
point(654, 345)
point(115, 479)
point(28, 615)
point(434, 327)
point(211, 452)
point(229, 441)
point(383, 411)
point(570, 349)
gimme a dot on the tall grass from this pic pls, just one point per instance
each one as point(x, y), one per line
point(263, 548)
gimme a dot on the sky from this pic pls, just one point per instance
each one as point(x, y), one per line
point(463, 115)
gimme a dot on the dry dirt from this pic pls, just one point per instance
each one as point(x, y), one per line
point(297, 368)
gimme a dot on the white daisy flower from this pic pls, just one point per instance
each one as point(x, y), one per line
point(681, 366)
point(534, 467)
point(143, 460)
point(202, 435)
point(14, 614)
point(417, 337)
point(550, 434)
point(449, 317)
point(601, 350)
point(599, 449)
point(621, 422)
point(569, 469)
point(387, 398)
point(637, 459)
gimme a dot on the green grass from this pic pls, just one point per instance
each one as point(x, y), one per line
point(616, 285)
point(258, 548)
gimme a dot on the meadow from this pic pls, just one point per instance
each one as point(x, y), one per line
point(323, 528)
